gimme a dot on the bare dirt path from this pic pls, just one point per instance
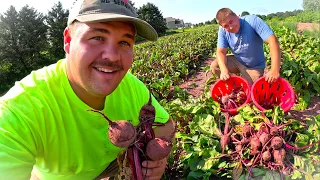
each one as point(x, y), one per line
point(308, 26)
point(195, 86)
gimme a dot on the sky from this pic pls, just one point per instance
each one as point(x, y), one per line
point(192, 11)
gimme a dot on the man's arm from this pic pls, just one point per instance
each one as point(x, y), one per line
point(222, 62)
point(274, 72)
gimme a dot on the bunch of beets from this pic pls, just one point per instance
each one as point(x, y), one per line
point(234, 99)
point(266, 146)
point(139, 142)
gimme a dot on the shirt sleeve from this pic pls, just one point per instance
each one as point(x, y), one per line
point(222, 40)
point(162, 115)
point(262, 29)
point(17, 152)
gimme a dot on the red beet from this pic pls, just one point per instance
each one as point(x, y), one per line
point(274, 131)
point(279, 155)
point(158, 148)
point(264, 138)
point(121, 133)
point(266, 156)
point(238, 148)
point(255, 143)
point(247, 130)
point(276, 142)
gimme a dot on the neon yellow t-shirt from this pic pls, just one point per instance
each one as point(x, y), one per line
point(43, 124)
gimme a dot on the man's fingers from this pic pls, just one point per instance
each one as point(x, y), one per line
point(152, 164)
point(225, 77)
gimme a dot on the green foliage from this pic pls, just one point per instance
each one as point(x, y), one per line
point(308, 17)
point(311, 5)
point(56, 20)
point(301, 65)
point(244, 13)
point(22, 39)
point(151, 14)
point(169, 61)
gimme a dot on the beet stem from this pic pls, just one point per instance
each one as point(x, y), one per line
point(137, 163)
point(93, 110)
point(132, 163)
point(289, 146)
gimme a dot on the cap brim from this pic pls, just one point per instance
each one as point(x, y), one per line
point(144, 29)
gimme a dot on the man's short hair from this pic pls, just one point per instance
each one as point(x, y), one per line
point(223, 13)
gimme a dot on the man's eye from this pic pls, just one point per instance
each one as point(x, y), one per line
point(125, 43)
point(98, 38)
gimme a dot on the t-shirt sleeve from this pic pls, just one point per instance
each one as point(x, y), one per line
point(222, 40)
point(162, 115)
point(17, 152)
point(262, 29)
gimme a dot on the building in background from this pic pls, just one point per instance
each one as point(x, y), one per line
point(173, 23)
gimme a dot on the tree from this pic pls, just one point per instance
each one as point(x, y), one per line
point(56, 21)
point(244, 13)
point(311, 5)
point(151, 14)
point(8, 47)
point(22, 42)
point(214, 21)
point(263, 17)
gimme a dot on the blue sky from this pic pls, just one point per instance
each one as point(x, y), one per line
point(194, 11)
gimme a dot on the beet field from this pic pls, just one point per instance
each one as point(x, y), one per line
point(251, 144)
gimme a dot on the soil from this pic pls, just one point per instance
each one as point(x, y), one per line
point(195, 86)
point(308, 26)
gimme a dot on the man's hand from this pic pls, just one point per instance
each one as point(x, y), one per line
point(153, 170)
point(225, 75)
point(272, 76)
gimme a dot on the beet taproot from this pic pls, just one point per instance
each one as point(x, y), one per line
point(238, 148)
point(158, 148)
point(266, 156)
point(247, 130)
point(264, 138)
point(274, 131)
point(255, 143)
point(279, 155)
point(121, 133)
point(276, 142)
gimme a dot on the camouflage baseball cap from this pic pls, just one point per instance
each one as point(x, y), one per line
point(110, 10)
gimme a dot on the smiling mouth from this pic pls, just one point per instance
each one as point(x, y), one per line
point(105, 70)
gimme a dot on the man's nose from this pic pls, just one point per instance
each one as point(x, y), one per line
point(111, 52)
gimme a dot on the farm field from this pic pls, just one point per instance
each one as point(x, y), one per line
point(176, 70)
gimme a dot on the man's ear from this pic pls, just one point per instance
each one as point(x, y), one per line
point(67, 39)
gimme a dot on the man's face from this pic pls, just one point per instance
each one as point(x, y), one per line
point(98, 57)
point(231, 24)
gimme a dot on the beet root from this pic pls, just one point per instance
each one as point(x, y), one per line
point(274, 131)
point(276, 142)
point(264, 138)
point(247, 130)
point(255, 143)
point(238, 148)
point(266, 156)
point(122, 133)
point(158, 148)
point(279, 155)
